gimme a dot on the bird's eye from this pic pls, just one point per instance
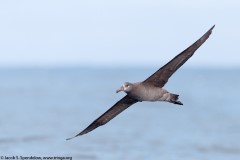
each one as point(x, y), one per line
point(127, 85)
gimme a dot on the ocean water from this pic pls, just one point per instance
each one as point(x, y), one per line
point(41, 107)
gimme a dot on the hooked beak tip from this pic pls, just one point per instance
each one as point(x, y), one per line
point(119, 90)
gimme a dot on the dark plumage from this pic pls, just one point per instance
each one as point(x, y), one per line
point(150, 89)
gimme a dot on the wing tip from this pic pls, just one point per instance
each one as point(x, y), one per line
point(76, 136)
point(205, 36)
point(210, 30)
point(70, 138)
point(212, 27)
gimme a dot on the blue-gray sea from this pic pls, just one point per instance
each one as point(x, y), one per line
point(41, 107)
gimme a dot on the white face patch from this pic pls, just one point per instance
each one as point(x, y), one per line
point(127, 86)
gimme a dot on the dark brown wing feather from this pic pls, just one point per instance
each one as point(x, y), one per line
point(117, 108)
point(160, 77)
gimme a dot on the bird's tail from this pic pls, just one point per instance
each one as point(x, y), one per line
point(174, 99)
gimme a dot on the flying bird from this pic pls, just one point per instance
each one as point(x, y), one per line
point(149, 89)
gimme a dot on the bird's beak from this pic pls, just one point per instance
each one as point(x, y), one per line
point(120, 89)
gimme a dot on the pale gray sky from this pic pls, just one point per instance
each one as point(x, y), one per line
point(117, 33)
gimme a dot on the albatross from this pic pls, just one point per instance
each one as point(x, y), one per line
point(149, 89)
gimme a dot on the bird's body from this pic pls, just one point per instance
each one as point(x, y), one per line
point(145, 92)
point(150, 89)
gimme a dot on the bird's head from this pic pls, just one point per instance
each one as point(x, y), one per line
point(126, 87)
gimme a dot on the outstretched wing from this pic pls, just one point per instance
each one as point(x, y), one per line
point(160, 77)
point(117, 108)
